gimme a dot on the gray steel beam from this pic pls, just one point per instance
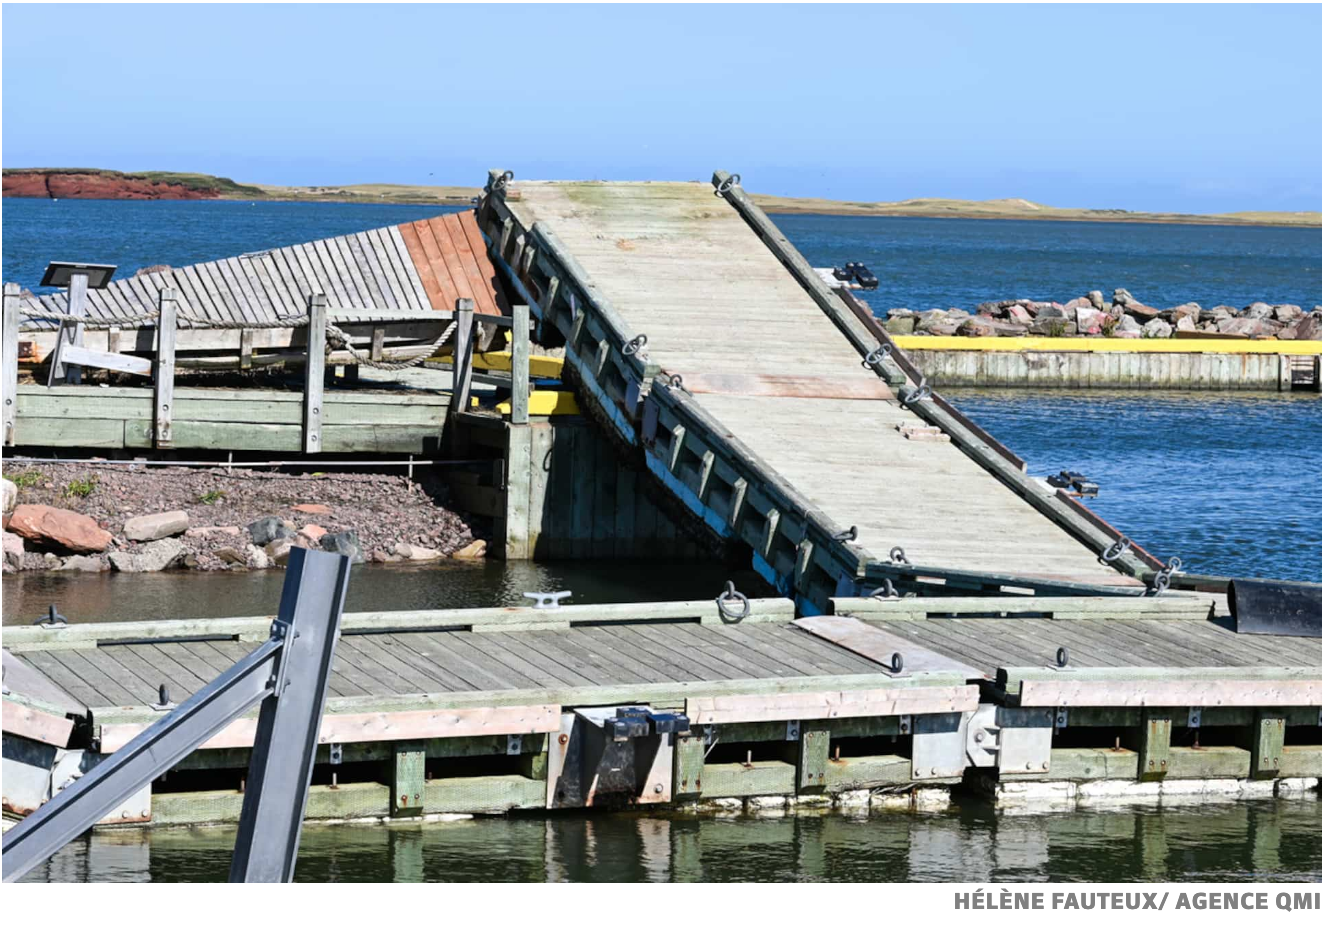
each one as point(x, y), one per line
point(144, 758)
point(289, 728)
point(286, 676)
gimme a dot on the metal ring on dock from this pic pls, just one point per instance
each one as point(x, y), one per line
point(1061, 657)
point(732, 594)
point(633, 346)
point(675, 381)
point(887, 592)
point(850, 535)
point(53, 619)
point(897, 555)
point(727, 185)
point(1115, 550)
point(922, 392)
point(876, 356)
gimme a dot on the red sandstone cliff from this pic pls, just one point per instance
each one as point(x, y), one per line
point(64, 185)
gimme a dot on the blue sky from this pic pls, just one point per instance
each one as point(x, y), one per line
point(1194, 108)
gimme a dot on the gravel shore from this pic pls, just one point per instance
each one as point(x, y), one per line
point(384, 511)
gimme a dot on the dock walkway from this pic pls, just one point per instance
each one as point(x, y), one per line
point(707, 344)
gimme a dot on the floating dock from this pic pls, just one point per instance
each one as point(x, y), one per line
point(881, 703)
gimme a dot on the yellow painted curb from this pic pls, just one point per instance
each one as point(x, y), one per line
point(546, 402)
point(1117, 345)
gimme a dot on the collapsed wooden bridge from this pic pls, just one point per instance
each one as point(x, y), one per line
point(932, 591)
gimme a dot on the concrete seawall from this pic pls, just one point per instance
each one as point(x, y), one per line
point(1072, 365)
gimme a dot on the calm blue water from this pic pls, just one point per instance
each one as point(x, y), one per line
point(922, 263)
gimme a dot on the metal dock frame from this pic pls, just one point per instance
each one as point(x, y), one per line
point(299, 650)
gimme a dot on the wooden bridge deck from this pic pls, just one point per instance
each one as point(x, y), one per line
point(772, 369)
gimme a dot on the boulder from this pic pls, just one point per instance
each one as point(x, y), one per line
point(1185, 324)
point(1286, 313)
point(1252, 327)
point(1309, 327)
point(1123, 297)
point(1052, 328)
point(991, 328)
point(1157, 328)
point(943, 328)
point(1128, 327)
point(214, 530)
point(231, 555)
point(156, 526)
point(475, 550)
point(1076, 305)
point(1257, 310)
point(994, 309)
point(267, 530)
point(56, 527)
point(1090, 321)
point(151, 557)
point(313, 509)
point(415, 553)
point(13, 549)
point(345, 543)
point(1186, 310)
point(312, 533)
point(278, 550)
point(899, 325)
point(1142, 313)
point(1018, 315)
point(1096, 299)
point(10, 493)
point(257, 558)
point(84, 564)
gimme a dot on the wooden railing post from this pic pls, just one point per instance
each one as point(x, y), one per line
point(164, 370)
point(463, 363)
point(9, 367)
point(74, 336)
point(519, 366)
point(315, 373)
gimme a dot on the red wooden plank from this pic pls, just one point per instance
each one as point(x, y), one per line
point(469, 222)
point(422, 264)
point(436, 263)
point(478, 284)
point(450, 257)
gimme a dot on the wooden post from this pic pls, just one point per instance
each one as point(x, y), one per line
point(315, 373)
point(1268, 744)
point(688, 766)
point(77, 305)
point(813, 754)
point(518, 473)
point(1153, 760)
point(9, 368)
point(377, 343)
point(519, 366)
point(463, 366)
point(164, 370)
point(247, 347)
point(408, 778)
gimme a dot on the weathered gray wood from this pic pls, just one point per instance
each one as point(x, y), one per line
point(70, 335)
point(9, 362)
point(519, 367)
point(314, 393)
point(463, 359)
point(164, 372)
point(882, 647)
point(73, 357)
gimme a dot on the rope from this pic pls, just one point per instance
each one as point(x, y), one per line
point(334, 334)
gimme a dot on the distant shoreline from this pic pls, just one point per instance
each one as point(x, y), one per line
point(91, 183)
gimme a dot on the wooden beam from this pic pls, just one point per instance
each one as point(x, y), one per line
point(164, 373)
point(314, 394)
point(9, 364)
point(1079, 607)
point(70, 337)
point(823, 705)
point(75, 357)
point(463, 365)
point(519, 367)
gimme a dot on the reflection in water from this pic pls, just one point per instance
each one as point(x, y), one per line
point(1264, 840)
point(491, 583)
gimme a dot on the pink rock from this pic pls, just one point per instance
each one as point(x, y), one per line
point(57, 527)
point(313, 533)
point(313, 509)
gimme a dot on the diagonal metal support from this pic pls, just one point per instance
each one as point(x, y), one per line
point(286, 675)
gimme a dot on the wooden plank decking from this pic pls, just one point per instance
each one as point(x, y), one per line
point(757, 353)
